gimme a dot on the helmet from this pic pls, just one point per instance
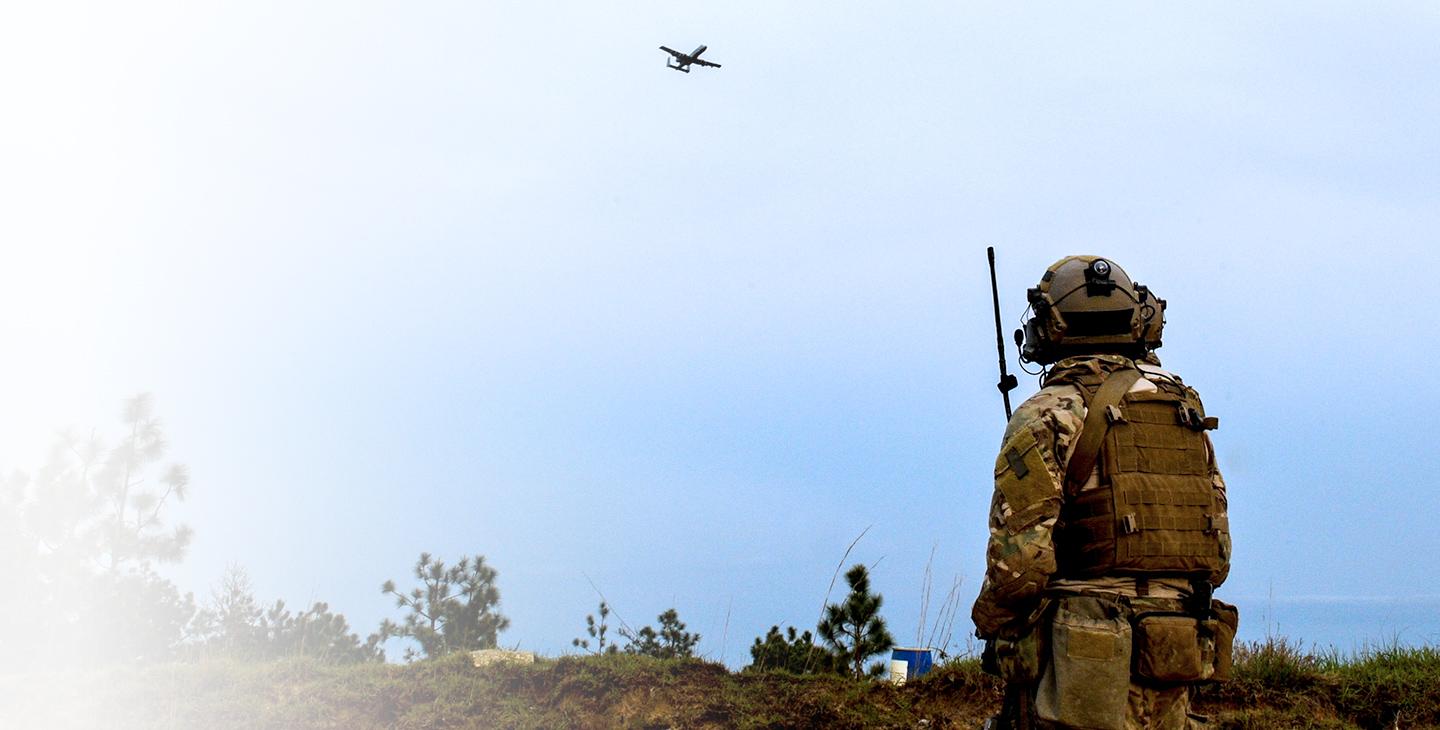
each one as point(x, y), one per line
point(1088, 304)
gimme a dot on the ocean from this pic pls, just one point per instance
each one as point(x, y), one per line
point(1347, 624)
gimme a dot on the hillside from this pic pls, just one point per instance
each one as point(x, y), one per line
point(1276, 687)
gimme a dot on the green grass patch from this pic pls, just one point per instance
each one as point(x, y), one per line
point(1278, 684)
point(1388, 685)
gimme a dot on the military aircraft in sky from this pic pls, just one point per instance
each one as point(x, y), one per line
point(683, 60)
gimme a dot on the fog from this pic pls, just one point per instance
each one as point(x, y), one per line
point(488, 280)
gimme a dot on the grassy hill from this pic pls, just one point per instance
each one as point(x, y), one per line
point(1276, 686)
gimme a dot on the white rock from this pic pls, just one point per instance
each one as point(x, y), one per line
point(491, 657)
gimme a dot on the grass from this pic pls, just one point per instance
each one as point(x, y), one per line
point(1388, 685)
point(1277, 684)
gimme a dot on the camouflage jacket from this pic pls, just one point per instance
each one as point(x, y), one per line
point(1020, 559)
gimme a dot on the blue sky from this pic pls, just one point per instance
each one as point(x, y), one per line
point(487, 278)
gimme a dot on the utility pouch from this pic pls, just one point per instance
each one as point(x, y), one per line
point(1168, 649)
point(1223, 627)
point(1086, 683)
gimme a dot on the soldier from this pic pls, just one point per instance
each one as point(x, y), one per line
point(1108, 527)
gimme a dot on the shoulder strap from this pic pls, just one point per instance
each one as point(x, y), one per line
point(1087, 447)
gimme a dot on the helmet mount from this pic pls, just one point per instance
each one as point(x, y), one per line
point(1097, 279)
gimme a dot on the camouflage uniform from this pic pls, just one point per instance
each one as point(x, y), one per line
point(1021, 573)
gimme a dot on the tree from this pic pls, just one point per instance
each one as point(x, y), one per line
point(316, 633)
point(105, 507)
point(230, 625)
point(453, 609)
point(596, 630)
point(670, 642)
point(80, 542)
point(89, 528)
point(23, 611)
point(790, 652)
point(853, 629)
point(235, 626)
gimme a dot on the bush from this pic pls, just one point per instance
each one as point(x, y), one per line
point(790, 652)
point(670, 642)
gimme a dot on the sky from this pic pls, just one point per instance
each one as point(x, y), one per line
point(487, 278)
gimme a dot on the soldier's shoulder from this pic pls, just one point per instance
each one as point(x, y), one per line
point(1046, 405)
point(1050, 397)
point(1153, 371)
point(1166, 379)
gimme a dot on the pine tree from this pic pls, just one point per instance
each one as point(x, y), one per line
point(235, 626)
point(316, 633)
point(454, 609)
point(92, 528)
point(853, 629)
point(232, 621)
point(791, 651)
point(670, 642)
point(596, 630)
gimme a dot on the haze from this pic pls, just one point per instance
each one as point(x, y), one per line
point(487, 278)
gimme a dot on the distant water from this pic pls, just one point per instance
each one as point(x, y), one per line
point(1344, 623)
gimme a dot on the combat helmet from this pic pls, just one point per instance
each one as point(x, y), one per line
point(1088, 304)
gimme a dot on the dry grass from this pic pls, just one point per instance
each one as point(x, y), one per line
point(1276, 685)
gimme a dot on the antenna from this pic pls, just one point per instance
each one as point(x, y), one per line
point(1007, 381)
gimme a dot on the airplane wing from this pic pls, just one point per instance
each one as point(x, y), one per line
point(706, 63)
point(673, 52)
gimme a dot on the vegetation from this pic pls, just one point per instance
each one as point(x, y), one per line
point(81, 540)
point(607, 690)
point(596, 630)
point(671, 641)
point(1276, 686)
point(790, 652)
point(1276, 682)
point(84, 535)
point(453, 608)
point(234, 626)
point(853, 628)
point(1387, 685)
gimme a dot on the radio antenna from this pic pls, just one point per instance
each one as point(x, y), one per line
point(1007, 381)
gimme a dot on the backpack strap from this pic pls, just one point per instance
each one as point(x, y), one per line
point(1097, 423)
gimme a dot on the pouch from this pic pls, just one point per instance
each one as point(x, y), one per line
point(1086, 683)
point(1223, 627)
point(1167, 649)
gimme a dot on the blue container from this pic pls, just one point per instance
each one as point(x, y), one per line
point(917, 661)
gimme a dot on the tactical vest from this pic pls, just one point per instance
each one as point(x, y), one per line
point(1155, 512)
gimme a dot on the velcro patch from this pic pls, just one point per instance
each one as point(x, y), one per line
point(1021, 474)
point(1090, 644)
point(1017, 463)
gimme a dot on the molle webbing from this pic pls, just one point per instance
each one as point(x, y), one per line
point(1087, 448)
point(1154, 511)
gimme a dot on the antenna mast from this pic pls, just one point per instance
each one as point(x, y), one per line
point(1007, 381)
